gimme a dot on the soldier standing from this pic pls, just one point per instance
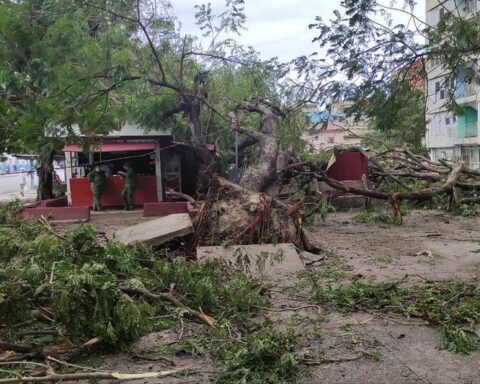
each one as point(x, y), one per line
point(129, 186)
point(97, 183)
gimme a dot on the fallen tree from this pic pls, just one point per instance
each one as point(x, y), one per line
point(398, 175)
point(251, 211)
point(62, 295)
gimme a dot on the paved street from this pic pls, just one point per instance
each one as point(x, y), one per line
point(10, 185)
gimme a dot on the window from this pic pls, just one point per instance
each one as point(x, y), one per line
point(331, 140)
point(442, 94)
point(437, 87)
point(447, 120)
point(453, 84)
point(454, 119)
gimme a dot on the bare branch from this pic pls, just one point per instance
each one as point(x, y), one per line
point(235, 124)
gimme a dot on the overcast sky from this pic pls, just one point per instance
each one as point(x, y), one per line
point(277, 28)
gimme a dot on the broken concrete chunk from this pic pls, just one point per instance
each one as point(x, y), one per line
point(158, 231)
point(275, 261)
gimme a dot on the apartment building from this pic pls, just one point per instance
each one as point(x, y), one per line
point(450, 136)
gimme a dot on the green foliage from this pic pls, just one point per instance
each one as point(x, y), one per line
point(466, 210)
point(266, 356)
point(48, 62)
point(78, 278)
point(453, 305)
point(318, 158)
point(398, 115)
point(374, 216)
point(9, 211)
point(325, 207)
point(459, 340)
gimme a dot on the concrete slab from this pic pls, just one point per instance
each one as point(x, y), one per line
point(274, 261)
point(156, 232)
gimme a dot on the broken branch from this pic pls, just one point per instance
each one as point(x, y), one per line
point(171, 298)
point(58, 377)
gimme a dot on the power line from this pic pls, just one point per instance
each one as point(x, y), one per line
point(189, 141)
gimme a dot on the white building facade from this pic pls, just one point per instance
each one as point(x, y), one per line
point(449, 136)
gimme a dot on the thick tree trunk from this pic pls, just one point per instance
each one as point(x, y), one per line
point(283, 159)
point(207, 166)
point(192, 107)
point(259, 176)
point(45, 177)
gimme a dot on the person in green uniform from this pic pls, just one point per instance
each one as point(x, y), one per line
point(129, 186)
point(97, 183)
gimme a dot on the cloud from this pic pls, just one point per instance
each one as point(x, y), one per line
point(276, 28)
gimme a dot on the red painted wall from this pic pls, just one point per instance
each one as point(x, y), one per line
point(348, 166)
point(164, 208)
point(57, 213)
point(145, 191)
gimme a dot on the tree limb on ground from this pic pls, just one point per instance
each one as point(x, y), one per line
point(393, 197)
point(172, 193)
point(16, 352)
point(60, 377)
point(172, 299)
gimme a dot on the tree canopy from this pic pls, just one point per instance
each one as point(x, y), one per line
point(366, 50)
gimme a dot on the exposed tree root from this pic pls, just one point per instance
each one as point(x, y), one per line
point(233, 212)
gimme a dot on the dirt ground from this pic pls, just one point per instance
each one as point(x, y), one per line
point(430, 246)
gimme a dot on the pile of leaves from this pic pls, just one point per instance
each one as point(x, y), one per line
point(74, 284)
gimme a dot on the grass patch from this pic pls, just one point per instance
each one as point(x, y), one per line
point(454, 306)
point(383, 260)
point(376, 217)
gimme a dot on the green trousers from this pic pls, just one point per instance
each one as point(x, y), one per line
point(127, 195)
point(97, 196)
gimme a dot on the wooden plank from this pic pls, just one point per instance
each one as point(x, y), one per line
point(156, 232)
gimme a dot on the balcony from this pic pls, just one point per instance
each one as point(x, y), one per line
point(443, 139)
point(471, 130)
point(466, 93)
point(475, 165)
point(468, 135)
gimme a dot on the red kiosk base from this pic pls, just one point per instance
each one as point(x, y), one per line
point(145, 191)
point(57, 213)
point(164, 208)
